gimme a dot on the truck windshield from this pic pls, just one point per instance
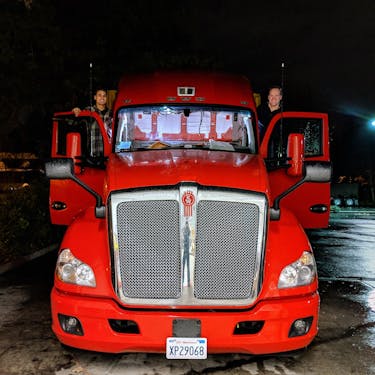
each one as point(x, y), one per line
point(155, 127)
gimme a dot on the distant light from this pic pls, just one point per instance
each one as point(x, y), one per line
point(372, 123)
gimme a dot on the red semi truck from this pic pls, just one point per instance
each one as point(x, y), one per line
point(185, 233)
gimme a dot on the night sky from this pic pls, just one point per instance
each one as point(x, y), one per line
point(328, 48)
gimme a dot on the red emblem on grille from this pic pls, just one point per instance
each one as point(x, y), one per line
point(188, 200)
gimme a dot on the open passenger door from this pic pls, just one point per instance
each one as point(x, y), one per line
point(310, 201)
point(84, 139)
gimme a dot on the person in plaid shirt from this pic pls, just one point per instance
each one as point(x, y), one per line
point(100, 107)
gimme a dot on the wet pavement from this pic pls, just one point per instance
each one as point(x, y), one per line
point(345, 254)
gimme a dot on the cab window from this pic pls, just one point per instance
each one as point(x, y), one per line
point(311, 128)
point(90, 135)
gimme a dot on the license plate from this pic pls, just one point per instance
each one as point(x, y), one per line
point(186, 348)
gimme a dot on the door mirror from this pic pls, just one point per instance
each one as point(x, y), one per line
point(295, 154)
point(318, 172)
point(60, 169)
point(73, 146)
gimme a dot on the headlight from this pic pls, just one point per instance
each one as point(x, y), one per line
point(71, 270)
point(301, 272)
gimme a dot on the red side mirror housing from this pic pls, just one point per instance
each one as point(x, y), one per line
point(73, 146)
point(296, 153)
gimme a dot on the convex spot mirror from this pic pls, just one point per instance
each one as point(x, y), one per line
point(318, 172)
point(60, 168)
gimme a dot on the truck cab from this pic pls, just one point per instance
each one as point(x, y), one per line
point(184, 233)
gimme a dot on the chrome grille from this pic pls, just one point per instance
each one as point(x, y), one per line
point(225, 238)
point(149, 242)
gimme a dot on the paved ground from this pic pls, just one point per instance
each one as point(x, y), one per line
point(345, 343)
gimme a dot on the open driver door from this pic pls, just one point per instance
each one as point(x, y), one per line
point(310, 201)
point(83, 139)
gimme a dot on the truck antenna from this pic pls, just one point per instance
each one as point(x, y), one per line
point(282, 82)
point(90, 85)
point(282, 85)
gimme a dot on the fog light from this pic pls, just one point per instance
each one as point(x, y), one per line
point(300, 327)
point(70, 324)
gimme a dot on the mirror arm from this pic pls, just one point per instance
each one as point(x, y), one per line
point(275, 209)
point(99, 208)
point(99, 201)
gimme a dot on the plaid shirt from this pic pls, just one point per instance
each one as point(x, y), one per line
point(95, 139)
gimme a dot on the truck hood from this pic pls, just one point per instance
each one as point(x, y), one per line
point(170, 167)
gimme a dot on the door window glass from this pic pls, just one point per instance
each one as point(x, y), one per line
point(311, 128)
point(90, 135)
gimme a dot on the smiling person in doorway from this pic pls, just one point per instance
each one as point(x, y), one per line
point(100, 107)
point(267, 110)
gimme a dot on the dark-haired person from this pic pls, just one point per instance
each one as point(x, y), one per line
point(100, 107)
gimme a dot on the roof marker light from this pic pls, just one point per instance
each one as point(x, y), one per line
point(185, 91)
